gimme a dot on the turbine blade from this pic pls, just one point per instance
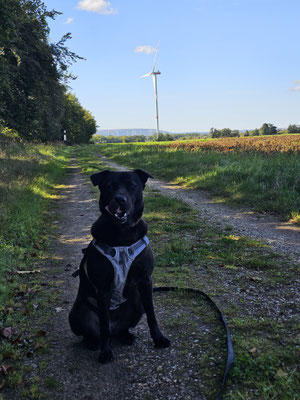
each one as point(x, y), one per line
point(144, 76)
point(155, 56)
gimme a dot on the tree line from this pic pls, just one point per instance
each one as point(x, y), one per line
point(34, 101)
point(161, 137)
point(265, 129)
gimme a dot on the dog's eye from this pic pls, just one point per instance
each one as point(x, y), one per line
point(132, 185)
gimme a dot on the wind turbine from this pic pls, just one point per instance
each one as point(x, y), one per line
point(154, 77)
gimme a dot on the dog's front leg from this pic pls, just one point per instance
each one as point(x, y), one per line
point(145, 288)
point(103, 299)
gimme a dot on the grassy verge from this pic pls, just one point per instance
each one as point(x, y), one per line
point(29, 178)
point(255, 288)
point(264, 182)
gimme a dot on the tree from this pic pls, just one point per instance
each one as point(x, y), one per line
point(78, 122)
point(268, 129)
point(31, 70)
point(214, 133)
point(254, 132)
point(226, 132)
point(235, 133)
point(293, 129)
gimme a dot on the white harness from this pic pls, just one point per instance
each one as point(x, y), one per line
point(121, 258)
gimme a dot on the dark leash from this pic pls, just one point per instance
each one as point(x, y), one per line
point(230, 352)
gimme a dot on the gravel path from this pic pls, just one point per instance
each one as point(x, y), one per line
point(283, 237)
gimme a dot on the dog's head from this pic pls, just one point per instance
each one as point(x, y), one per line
point(121, 196)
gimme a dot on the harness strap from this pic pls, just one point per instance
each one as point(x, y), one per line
point(121, 258)
point(111, 252)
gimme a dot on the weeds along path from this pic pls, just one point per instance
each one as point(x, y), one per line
point(283, 237)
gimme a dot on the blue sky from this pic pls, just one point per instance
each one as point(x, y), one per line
point(223, 63)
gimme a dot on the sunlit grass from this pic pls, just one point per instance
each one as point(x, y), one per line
point(29, 174)
point(263, 182)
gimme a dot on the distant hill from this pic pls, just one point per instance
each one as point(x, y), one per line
point(135, 132)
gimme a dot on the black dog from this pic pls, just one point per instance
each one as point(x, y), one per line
point(115, 273)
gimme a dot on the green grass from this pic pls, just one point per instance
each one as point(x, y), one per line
point(29, 174)
point(29, 179)
point(89, 163)
point(242, 275)
point(265, 183)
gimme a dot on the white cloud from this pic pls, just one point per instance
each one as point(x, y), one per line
point(297, 87)
point(144, 49)
point(68, 21)
point(98, 6)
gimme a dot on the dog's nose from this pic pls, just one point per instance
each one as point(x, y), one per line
point(121, 199)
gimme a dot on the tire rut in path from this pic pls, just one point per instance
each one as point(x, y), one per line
point(283, 237)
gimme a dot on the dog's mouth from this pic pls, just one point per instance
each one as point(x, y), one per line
point(114, 209)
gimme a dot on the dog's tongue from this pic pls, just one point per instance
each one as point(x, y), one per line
point(113, 207)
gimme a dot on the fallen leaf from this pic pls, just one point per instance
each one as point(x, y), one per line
point(254, 278)
point(221, 265)
point(5, 368)
point(41, 332)
point(8, 355)
point(58, 309)
point(37, 346)
point(6, 332)
point(281, 374)
point(253, 350)
point(17, 341)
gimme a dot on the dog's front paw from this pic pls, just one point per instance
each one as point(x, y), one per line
point(105, 357)
point(162, 342)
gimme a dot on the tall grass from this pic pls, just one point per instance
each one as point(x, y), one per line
point(28, 175)
point(264, 182)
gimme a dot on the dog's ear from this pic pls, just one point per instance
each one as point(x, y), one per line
point(98, 178)
point(143, 175)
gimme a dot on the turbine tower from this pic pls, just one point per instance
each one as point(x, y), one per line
point(154, 77)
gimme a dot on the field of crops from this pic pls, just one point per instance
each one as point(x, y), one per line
point(263, 144)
